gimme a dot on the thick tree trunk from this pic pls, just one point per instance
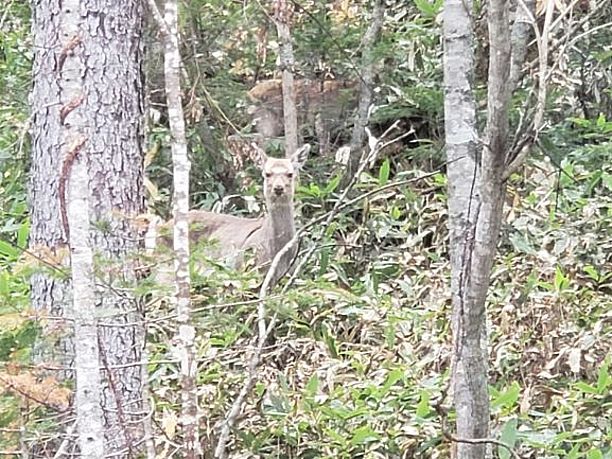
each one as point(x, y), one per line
point(49, 292)
point(105, 37)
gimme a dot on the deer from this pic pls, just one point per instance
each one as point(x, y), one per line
point(231, 236)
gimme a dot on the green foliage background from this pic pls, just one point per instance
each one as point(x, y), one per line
point(360, 358)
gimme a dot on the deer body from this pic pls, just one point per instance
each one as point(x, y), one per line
point(232, 236)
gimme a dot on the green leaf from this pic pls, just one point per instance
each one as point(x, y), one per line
point(260, 389)
point(509, 397)
point(363, 435)
point(594, 454)
point(561, 281)
point(312, 386)
point(335, 436)
point(323, 261)
point(428, 9)
point(422, 409)
point(574, 453)
point(332, 185)
point(606, 180)
point(508, 437)
point(330, 341)
point(8, 250)
point(591, 272)
point(4, 283)
point(603, 376)
point(22, 234)
point(392, 377)
point(383, 174)
point(586, 388)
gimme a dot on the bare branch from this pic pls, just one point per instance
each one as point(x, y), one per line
point(543, 49)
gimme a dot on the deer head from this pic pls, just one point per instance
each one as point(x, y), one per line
point(279, 175)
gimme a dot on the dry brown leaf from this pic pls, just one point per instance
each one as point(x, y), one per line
point(43, 391)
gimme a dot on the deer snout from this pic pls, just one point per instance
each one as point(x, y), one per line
point(279, 190)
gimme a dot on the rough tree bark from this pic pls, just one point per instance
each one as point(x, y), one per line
point(283, 11)
point(49, 292)
point(186, 331)
point(365, 88)
point(105, 38)
point(476, 191)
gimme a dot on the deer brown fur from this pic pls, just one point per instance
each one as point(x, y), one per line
point(232, 236)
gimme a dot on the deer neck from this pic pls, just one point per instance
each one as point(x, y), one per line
point(280, 225)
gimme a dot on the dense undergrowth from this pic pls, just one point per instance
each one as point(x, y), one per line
point(358, 363)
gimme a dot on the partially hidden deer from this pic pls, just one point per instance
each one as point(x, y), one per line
point(231, 236)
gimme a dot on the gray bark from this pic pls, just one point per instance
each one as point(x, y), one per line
point(185, 338)
point(476, 194)
point(286, 63)
point(365, 87)
point(49, 291)
point(106, 39)
point(522, 30)
point(469, 372)
point(88, 397)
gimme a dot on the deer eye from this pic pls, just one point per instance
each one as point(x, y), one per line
point(290, 174)
point(268, 174)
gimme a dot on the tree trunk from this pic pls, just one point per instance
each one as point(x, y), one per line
point(185, 338)
point(181, 166)
point(88, 397)
point(49, 291)
point(522, 30)
point(365, 88)
point(105, 38)
point(476, 192)
point(283, 13)
point(469, 372)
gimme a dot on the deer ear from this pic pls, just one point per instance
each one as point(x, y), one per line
point(259, 155)
point(300, 156)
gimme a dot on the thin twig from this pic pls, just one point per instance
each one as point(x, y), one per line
point(62, 450)
point(480, 441)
